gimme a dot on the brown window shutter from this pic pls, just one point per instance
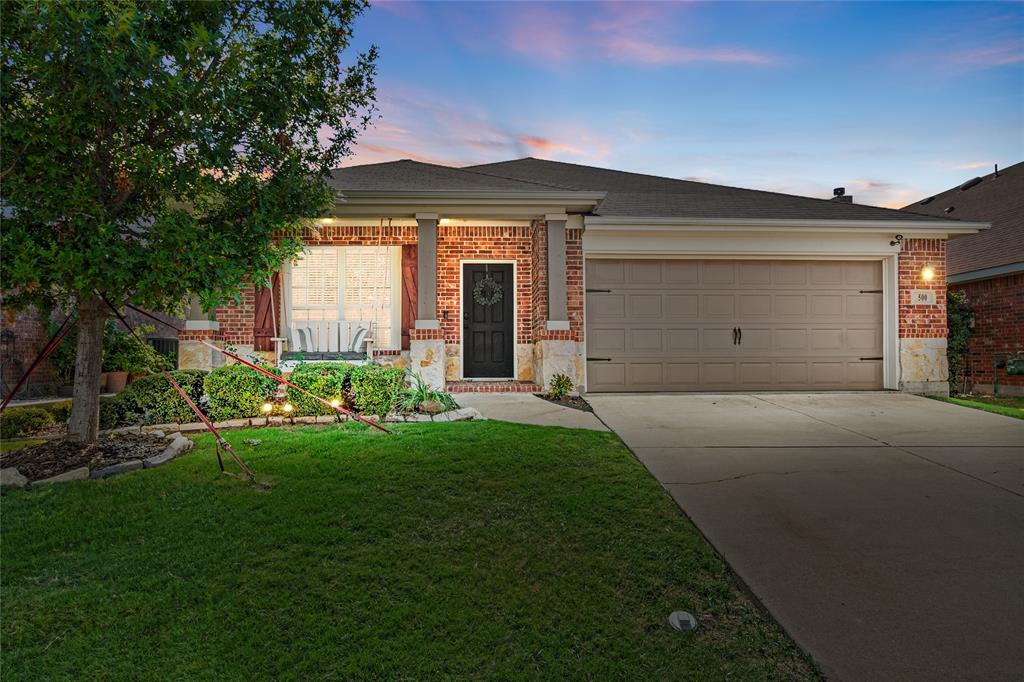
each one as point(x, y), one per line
point(408, 292)
point(265, 316)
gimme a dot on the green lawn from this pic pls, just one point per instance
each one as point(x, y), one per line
point(480, 550)
point(8, 445)
point(1010, 406)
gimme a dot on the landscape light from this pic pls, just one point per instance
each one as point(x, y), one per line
point(287, 407)
point(335, 403)
point(927, 273)
point(267, 407)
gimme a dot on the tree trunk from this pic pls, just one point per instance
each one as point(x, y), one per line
point(84, 423)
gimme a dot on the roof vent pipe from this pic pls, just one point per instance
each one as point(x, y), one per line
point(839, 194)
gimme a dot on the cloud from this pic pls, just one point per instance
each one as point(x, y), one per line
point(633, 33)
point(626, 49)
point(426, 126)
point(542, 145)
point(972, 165)
point(1003, 54)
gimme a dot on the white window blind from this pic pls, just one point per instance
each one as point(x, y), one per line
point(353, 283)
point(368, 289)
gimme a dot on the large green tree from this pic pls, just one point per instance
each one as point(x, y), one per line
point(154, 150)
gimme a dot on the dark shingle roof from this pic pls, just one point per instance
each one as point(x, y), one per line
point(416, 175)
point(639, 195)
point(996, 199)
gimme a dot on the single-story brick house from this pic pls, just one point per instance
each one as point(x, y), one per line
point(497, 277)
point(989, 267)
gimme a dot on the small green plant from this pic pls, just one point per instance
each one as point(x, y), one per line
point(327, 380)
point(24, 421)
point(420, 394)
point(377, 388)
point(560, 387)
point(236, 391)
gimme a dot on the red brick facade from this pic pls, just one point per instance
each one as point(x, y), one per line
point(460, 243)
point(998, 306)
point(922, 321)
point(526, 246)
point(25, 334)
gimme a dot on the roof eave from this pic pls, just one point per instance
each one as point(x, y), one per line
point(937, 227)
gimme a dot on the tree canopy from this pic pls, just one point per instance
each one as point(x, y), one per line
point(153, 150)
point(159, 149)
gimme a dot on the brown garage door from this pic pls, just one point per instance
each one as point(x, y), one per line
point(724, 325)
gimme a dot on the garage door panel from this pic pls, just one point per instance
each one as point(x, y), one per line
point(606, 341)
point(645, 272)
point(789, 273)
point(644, 305)
point(683, 341)
point(755, 339)
point(718, 305)
point(826, 340)
point(717, 341)
point(682, 306)
point(668, 325)
point(646, 341)
point(755, 306)
point(827, 306)
point(866, 274)
point(718, 273)
point(682, 272)
point(864, 306)
point(603, 307)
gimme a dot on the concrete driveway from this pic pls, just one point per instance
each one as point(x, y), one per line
point(884, 531)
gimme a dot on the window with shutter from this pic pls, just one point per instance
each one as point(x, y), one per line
point(354, 283)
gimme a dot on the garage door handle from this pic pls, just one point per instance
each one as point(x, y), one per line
point(599, 359)
point(878, 358)
point(739, 338)
point(870, 291)
point(735, 336)
point(599, 291)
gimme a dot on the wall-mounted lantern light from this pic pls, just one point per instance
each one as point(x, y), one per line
point(927, 273)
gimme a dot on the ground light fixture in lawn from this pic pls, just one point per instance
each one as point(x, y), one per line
point(683, 621)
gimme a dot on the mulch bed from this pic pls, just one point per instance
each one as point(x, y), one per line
point(574, 401)
point(57, 456)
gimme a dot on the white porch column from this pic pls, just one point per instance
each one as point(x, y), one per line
point(426, 340)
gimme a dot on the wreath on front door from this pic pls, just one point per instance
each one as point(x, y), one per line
point(487, 292)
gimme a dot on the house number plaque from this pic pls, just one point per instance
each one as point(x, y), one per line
point(922, 297)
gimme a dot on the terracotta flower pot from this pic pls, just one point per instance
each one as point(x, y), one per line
point(116, 381)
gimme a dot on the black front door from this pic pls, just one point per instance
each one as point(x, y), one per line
point(488, 324)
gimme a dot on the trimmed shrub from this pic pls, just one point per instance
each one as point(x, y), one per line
point(111, 413)
point(152, 400)
point(60, 411)
point(561, 386)
point(24, 421)
point(236, 391)
point(327, 380)
point(377, 388)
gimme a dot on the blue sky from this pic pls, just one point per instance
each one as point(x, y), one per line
point(894, 101)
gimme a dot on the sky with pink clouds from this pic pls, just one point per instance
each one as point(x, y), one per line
point(894, 101)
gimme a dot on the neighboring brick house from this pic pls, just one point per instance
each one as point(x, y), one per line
point(498, 277)
point(989, 267)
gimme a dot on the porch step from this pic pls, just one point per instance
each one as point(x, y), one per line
point(492, 387)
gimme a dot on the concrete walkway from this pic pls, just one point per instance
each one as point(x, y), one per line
point(884, 531)
point(526, 408)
